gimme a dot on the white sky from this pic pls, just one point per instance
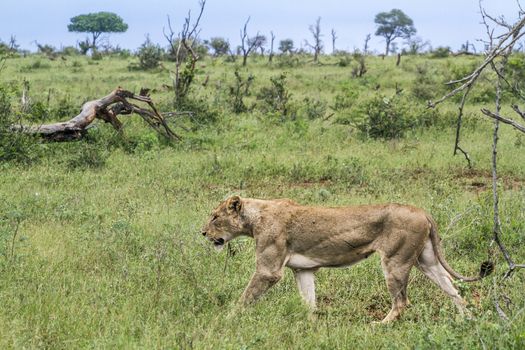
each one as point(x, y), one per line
point(442, 22)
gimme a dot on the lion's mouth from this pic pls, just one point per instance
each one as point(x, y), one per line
point(218, 242)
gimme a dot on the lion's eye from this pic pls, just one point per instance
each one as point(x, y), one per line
point(214, 217)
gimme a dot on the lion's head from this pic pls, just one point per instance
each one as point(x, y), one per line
point(226, 222)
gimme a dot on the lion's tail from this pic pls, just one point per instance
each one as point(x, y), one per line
point(486, 267)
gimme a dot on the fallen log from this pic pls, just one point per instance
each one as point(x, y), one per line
point(107, 109)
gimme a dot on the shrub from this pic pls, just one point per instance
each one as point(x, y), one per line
point(313, 108)
point(149, 55)
point(426, 86)
point(14, 146)
point(344, 60)
point(440, 52)
point(38, 64)
point(382, 117)
point(276, 97)
point(239, 91)
point(69, 51)
point(288, 61)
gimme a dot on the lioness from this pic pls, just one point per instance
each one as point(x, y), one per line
point(308, 238)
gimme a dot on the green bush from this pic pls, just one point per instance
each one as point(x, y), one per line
point(38, 64)
point(428, 83)
point(276, 98)
point(313, 108)
point(440, 52)
point(382, 117)
point(14, 146)
point(149, 55)
point(239, 91)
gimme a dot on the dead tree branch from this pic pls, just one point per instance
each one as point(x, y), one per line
point(107, 108)
point(514, 34)
point(317, 45)
point(248, 45)
point(498, 117)
point(182, 47)
point(496, 58)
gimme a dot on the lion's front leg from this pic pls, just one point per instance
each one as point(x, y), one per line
point(260, 283)
point(270, 258)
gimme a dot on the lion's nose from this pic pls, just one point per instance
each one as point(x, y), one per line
point(203, 233)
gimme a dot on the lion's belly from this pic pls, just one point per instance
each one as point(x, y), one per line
point(299, 261)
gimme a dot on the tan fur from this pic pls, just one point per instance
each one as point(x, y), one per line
point(308, 238)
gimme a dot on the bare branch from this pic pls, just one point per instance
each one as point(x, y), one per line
point(497, 50)
point(517, 110)
point(503, 119)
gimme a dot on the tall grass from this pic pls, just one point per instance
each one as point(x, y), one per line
point(100, 243)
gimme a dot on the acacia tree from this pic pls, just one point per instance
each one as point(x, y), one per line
point(220, 46)
point(392, 25)
point(286, 46)
point(96, 24)
point(317, 44)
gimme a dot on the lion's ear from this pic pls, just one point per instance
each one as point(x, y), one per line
point(235, 204)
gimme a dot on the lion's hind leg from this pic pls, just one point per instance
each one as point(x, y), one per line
point(429, 264)
point(396, 276)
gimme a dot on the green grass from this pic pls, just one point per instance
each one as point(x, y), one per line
point(107, 252)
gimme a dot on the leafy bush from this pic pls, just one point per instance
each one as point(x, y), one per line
point(38, 64)
point(69, 51)
point(427, 85)
point(313, 108)
point(239, 91)
point(382, 117)
point(149, 55)
point(276, 97)
point(14, 146)
point(344, 60)
point(516, 69)
point(440, 52)
point(202, 112)
point(288, 61)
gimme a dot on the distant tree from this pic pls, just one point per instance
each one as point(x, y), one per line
point(9, 48)
point(317, 44)
point(334, 37)
point(248, 45)
point(415, 46)
point(220, 46)
point(260, 41)
point(392, 25)
point(96, 24)
point(84, 46)
point(272, 40)
point(286, 46)
point(367, 40)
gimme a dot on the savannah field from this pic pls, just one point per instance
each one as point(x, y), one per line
point(99, 239)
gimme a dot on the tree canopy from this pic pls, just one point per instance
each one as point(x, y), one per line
point(96, 24)
point(392, 25)
point(286, 46)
